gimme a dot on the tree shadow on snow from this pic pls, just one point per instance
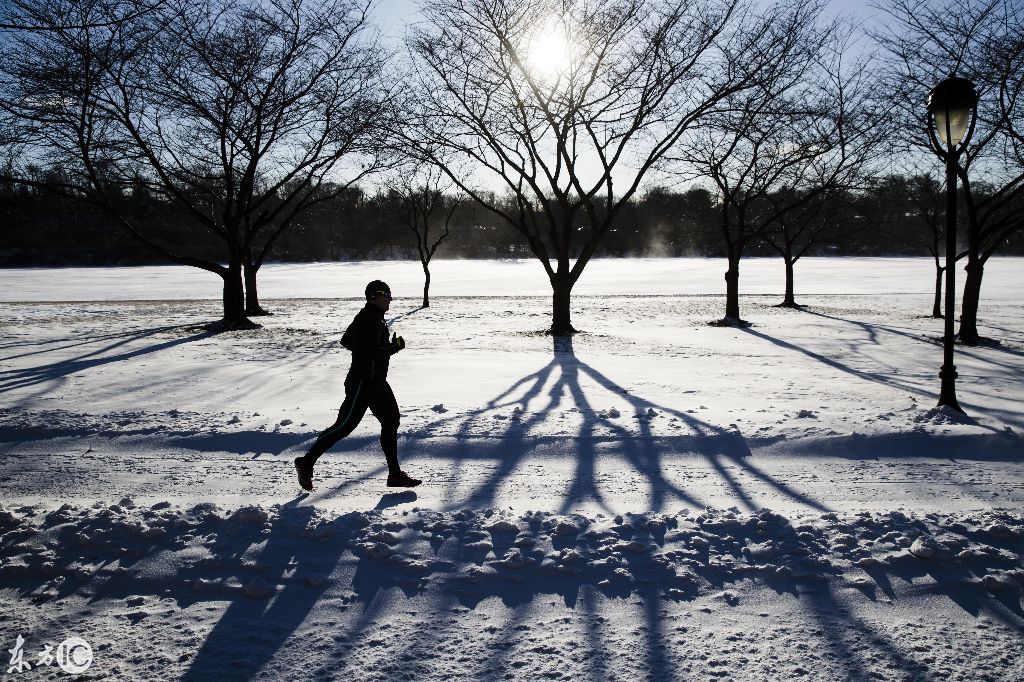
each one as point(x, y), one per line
point(65, 343)
point(872, 332)
point(875, 377)
point(882, 378)
point(272, 569)
point(251, 631)
point(57, 371)
point(287, 625)
point(561, 382)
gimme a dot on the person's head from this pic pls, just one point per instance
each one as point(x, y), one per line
point(379, 294)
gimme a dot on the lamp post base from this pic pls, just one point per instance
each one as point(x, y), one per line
point(947, 394)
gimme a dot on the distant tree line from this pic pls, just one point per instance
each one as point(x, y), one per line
point(898, 216)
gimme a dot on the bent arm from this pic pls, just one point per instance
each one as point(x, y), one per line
point(370, 339)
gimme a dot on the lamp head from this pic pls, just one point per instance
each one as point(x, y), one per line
point(951, 104)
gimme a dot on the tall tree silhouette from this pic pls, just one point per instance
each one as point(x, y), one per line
point(241, 115)
point(568, 105)
point(983, 41)
point(807, 128)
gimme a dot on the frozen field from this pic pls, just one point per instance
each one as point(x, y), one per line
point(654, 499)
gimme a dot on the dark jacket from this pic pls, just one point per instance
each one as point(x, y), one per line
point(367, 338)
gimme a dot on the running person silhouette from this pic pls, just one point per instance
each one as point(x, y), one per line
point(366, 386)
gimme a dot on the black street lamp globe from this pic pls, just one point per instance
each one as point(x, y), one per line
point(951, 105)
point(951, 119)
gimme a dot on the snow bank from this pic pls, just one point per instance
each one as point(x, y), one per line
point(246, 551)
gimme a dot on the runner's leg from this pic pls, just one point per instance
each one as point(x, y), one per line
point(385, 408)
point(357, 398)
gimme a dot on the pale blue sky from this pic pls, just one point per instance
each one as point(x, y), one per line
point(391, 14)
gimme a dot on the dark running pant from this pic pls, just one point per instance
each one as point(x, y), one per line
point(360, 395)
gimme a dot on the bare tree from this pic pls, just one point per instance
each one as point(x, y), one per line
point(807, 129)
point(798, 230)
point(427, 211)
point(567, 105)
point(240, 115)
point(925, 199)
point(983, 41)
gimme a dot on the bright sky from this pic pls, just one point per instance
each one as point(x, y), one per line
point(391, 16)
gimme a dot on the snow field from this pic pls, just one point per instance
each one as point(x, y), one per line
point(653, 499)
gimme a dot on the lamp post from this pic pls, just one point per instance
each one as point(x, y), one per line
point(950, 124)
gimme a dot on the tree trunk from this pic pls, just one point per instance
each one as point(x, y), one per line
point(789, 301)
point(252, 298)
point(975, 269)
point(732, 293)
point(937, 304)
point(426, 284)
point(734, 251)
point(234, 298)
point(561, 287)
point(972, 296)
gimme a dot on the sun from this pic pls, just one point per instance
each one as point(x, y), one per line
point(549, 52)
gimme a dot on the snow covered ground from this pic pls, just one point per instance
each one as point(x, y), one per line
point(654, 499)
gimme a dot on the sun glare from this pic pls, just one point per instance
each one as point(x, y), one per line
point(549, 52)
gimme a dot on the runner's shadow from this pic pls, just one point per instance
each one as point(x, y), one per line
point(388, 500)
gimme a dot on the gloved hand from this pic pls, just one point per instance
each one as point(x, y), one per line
point(397, 342)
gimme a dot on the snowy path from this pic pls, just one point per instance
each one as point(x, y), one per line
point(593, 510)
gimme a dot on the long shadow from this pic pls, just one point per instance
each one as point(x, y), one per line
point(372, 577)
point(645, 452)
point(840, 631)
point(512, 448)
point(849, 638)
point(872, 331)
point(519, 588)
point(714, 443)
point(81, 341)
point(250, 633)
point(273, 554)
point(642, 453)
point(514, 443)
point(1001, 446)
point(287, 547)
point(30, 376)
point(884, 380)
point(402, 316)
point(518, 594)
point(960, 582)
point(878, 378)
point(239, 442)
